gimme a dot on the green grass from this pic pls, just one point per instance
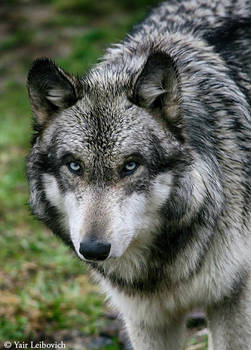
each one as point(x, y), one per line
point(86, 49)
point(15, 40)
point(95, 7)
point(44, 288)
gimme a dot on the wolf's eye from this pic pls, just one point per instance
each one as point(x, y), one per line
point(75, 168)
point(129, 168)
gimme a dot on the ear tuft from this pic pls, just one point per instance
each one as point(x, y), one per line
point(157, 89)
point(50, 89)
point(59, 97)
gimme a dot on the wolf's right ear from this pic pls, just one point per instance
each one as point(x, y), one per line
point(50, 90)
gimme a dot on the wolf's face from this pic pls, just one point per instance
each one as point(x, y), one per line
point(104, 175)
point(109, 165)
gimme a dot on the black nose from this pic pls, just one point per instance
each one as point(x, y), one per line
point(92, 249)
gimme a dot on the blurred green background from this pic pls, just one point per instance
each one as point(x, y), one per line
point(45, 292)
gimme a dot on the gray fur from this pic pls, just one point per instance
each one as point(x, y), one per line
point(174, 97)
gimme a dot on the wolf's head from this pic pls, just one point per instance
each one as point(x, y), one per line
point(110, 167)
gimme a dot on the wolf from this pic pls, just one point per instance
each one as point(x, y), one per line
point(143, 168)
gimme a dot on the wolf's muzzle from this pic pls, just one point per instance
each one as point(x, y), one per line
point(92, 249)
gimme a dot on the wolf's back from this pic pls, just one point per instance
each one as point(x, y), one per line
point(198, 16)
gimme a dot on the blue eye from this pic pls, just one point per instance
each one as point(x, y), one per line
point(75, 168)
point(129, 168)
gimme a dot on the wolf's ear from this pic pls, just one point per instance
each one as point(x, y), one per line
point(157, 89)
point(50, 90)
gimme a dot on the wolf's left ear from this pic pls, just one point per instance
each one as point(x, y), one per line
point(157, 89)
point(50, 90)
